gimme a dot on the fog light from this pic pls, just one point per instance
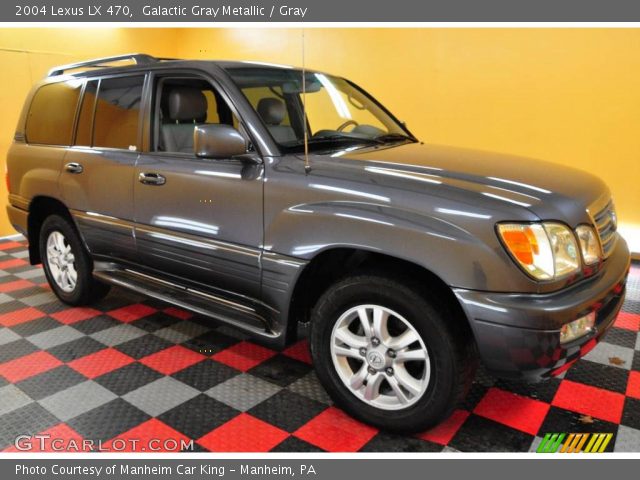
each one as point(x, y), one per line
point(578, 328)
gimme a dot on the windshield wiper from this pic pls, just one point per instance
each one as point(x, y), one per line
point(393, 137)
point(338, 139)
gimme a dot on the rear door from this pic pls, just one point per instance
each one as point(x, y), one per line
point(98, 171)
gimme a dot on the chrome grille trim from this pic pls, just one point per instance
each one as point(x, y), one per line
point(604, 220)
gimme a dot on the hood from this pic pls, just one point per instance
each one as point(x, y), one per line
point(550, 191)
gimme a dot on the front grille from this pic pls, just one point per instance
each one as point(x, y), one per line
point(606, 224)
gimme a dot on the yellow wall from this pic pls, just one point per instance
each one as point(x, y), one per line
point(571, 96)
point(27, 54)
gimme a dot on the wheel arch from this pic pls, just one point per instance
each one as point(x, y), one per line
point(40, 208)
point(333, 264)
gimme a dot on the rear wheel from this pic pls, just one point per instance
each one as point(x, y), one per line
point(389, 355)
point(67, 264)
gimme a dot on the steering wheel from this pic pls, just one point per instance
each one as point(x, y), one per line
point(346, 124)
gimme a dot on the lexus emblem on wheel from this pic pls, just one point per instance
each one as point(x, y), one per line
point(375, 359)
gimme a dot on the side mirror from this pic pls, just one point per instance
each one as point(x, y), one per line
point(218, 141)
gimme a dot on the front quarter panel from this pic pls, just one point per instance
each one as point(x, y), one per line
point(306, 214)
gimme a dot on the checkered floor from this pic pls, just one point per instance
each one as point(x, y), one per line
point(131, 367)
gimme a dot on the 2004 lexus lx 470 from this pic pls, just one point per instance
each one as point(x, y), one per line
point(265, 196)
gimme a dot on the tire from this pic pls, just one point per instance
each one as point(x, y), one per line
point(75, 284)
point(439, 381)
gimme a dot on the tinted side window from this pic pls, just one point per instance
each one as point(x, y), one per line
point(181, 105)
point(85, 119)
point(52, 112)
point(118, 113)
point(255, 94)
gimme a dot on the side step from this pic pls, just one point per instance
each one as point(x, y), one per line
point(238, 315)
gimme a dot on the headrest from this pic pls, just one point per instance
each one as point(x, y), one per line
point(187, 104)
point(271, 110)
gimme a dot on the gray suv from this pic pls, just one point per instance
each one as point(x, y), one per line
point(266, 196)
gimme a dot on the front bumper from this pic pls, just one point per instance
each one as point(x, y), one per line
point(518, 335)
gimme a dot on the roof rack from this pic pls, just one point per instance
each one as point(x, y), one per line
point(136, 58)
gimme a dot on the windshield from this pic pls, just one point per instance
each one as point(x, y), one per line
point(337, 111)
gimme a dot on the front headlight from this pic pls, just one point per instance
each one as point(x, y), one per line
point(546, 251)
point(589, 245)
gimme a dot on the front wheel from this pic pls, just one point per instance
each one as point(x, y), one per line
point(67, 264)
point(389, 355)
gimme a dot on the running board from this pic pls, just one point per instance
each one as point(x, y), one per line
point(238, 315)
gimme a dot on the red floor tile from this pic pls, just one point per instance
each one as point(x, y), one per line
point(515, 411)
point(28, 366)
point(633, 385)
point(243, 356)
point(178, 313)
point(589, 400)
point(299, 351)
point(445, 431)
point(60, 438)
point(335, 431)
point(20, 316)
point(9, 245)
point(628, 321)
point(172, 359)
point(16, 262)
point(15, 285)
point(101, 362)
point(131, 313)
point(77, 314)
point(243, 433)
point(150, 436)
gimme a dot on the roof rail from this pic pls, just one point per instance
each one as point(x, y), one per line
point(137, 58)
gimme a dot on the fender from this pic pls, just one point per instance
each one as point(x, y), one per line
point(305, 230)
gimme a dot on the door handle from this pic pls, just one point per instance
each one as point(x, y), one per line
point(151, 178)
point(73, 167)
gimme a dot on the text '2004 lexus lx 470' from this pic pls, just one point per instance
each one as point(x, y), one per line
point(266, 196)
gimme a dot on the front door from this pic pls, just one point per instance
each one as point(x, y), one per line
point(198, 219)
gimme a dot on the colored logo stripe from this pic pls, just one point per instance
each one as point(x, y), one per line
point(597, 442)
point(550, 443)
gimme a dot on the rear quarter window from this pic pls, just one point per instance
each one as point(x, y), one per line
point(52, 113)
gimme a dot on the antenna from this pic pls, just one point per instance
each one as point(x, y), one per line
point(307, 166)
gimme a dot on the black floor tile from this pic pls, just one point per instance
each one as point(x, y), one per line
point(35, 326)
point(19, 348)
point(50, 382)
point(621, 336)
point(287, 410)
point(128, 378)
point(293, 444)
point(107, 421)
point(143, 346)
point(205, 374)
point(28, 420)
point(559, 420)
point(598, 375)
point(95, 324)
point(198, 416)
point(281, 370)
point(631, 413)
point(75, 349)
point(478, 434)
point(387, 442)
